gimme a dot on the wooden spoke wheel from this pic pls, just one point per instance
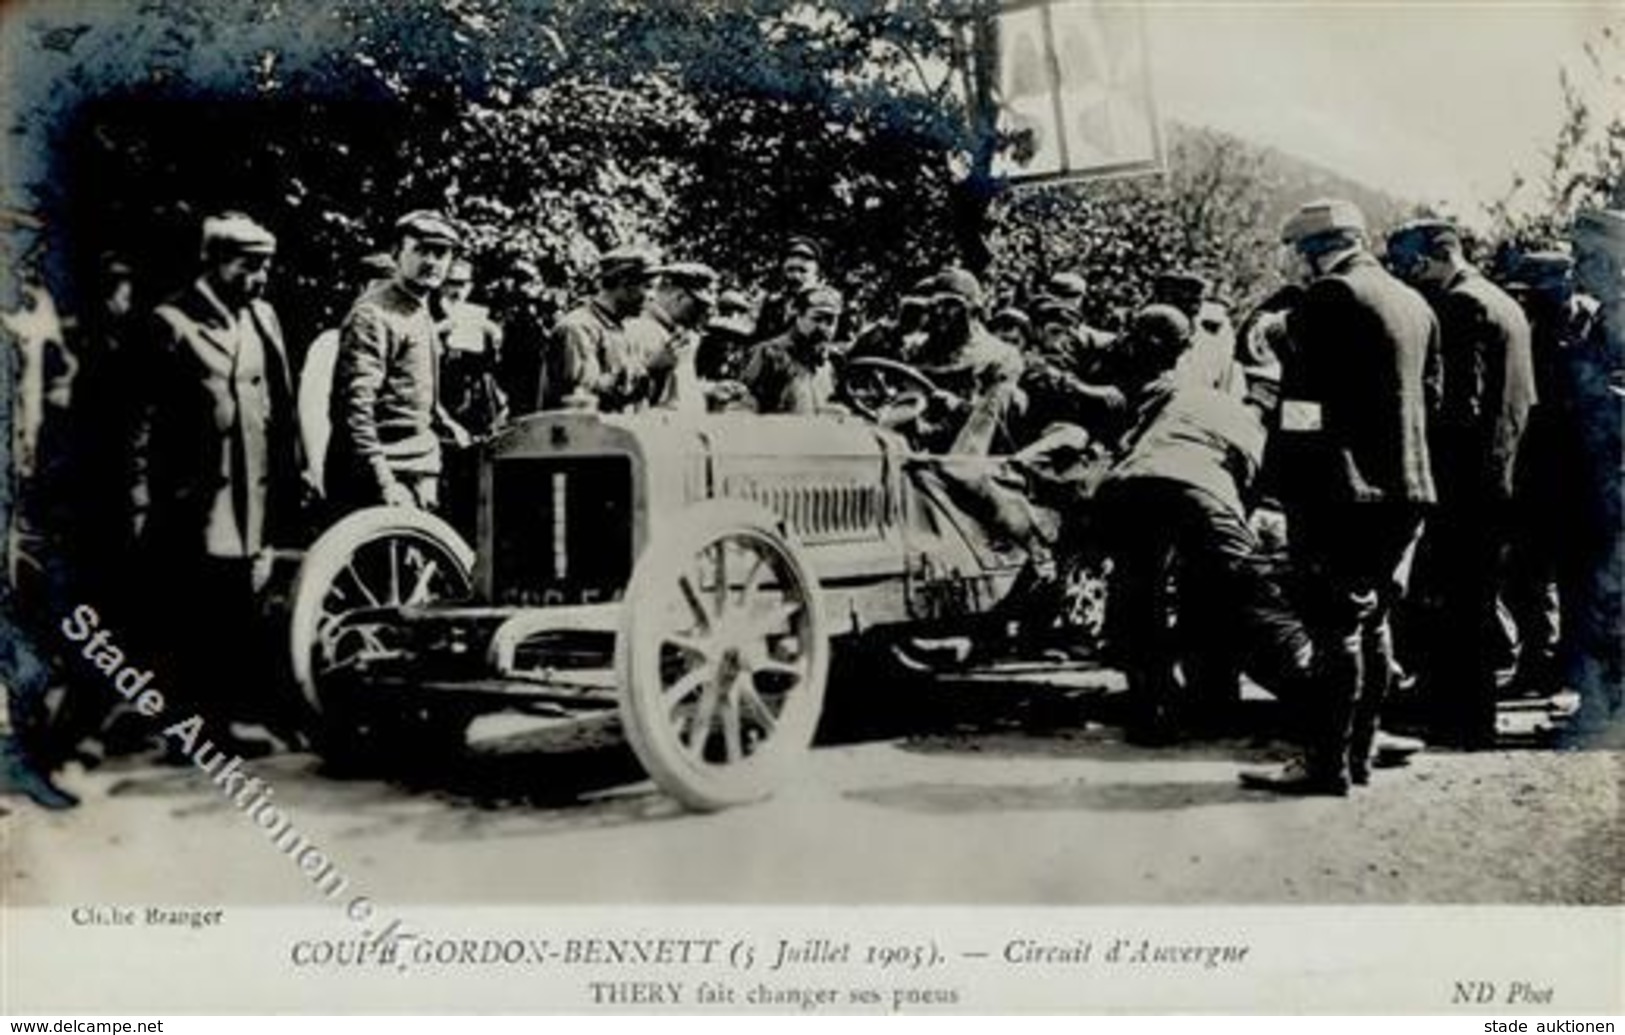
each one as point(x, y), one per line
point(1084, 581)
point(722, 656)
point(373, 559)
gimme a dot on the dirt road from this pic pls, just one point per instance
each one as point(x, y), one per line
point(1011, 795)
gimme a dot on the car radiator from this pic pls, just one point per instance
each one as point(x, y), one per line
point(561, 529)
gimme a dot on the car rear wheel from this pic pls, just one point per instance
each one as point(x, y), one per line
point(381, 557)
point(722, 656)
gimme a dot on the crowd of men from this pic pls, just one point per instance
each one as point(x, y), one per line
point(1444, 450)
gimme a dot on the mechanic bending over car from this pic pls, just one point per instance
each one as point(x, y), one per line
point(1177, 491)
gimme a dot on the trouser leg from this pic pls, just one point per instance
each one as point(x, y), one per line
point(210, 643)
point(1531, 595)
point(1138, 629)
point(1376, 674)
point(1358, 566)
point(1464, 680)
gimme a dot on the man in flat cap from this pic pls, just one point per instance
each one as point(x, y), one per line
point(384, 447)
point(801, 268)
point(793, 373)
point(1597, 386)
point(1356, 479)
point(590, 360)
point(666, 334)
point(1072, 372)
point(217, 468)
point(1489, 388)
point(1014, 327)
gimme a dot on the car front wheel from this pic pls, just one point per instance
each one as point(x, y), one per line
point(722, 656)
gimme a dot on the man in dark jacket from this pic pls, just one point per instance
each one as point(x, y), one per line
point(1489, 388)
point(385, 445)
point(1353, 434)
point(800, 270)
point(217, 467)
point(1595, 376)
point(1547, 494)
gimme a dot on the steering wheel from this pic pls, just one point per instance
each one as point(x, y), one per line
point(887, 391)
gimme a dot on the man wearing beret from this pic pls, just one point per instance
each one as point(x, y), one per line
point(1356, 481)
point(590, 360)
point(666, 334)
point(217, 465)
point(385, 446)
point(1489, 388)
point(801, 269)
point(1596, 379)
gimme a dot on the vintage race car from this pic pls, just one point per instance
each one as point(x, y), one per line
point(692, 572)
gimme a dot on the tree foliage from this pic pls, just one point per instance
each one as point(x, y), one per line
point(555, 128)
point(559, 128)
point(1215, 211)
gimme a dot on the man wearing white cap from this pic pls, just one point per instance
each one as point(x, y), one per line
point(217, 461)
point(385, 444)
point(1356, 479)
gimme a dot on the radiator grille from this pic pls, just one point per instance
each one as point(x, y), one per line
point(561, 529)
